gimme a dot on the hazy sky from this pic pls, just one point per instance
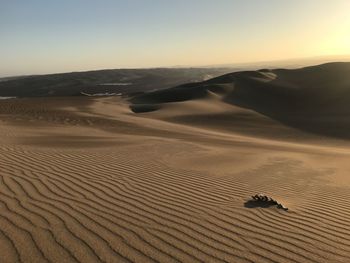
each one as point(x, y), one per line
point(40, 36)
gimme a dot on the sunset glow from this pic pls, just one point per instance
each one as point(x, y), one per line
point(49, 36)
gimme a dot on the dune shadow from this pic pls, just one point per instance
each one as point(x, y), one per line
point(141, 108)
point(255, 204)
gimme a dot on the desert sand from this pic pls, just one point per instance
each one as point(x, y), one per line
point(88, 180)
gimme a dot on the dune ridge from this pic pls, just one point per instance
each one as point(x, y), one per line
point(314, 99)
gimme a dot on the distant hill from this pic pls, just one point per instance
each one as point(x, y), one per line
point(126, 81)
point(315, 99)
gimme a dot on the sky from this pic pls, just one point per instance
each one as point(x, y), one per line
point(46, 36)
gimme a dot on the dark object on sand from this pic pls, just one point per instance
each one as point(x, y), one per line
point(267, 199)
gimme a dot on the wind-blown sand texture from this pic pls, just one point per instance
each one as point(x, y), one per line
point(88, 180)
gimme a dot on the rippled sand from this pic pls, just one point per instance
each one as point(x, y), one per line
point(88, 180)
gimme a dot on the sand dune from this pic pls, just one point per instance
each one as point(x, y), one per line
point(309, 99)
point(88, 180)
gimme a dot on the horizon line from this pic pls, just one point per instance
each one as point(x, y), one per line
point(224, 65)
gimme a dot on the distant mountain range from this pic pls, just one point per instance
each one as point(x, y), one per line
point(124, 81)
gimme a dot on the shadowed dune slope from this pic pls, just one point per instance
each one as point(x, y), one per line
point(314, 99)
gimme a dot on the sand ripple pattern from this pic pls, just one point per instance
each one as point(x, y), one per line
point(122, 205)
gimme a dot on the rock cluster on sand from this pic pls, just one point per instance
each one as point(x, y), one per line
point(265, 198)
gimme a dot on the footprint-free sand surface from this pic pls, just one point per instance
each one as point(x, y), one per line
point(88, 180)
